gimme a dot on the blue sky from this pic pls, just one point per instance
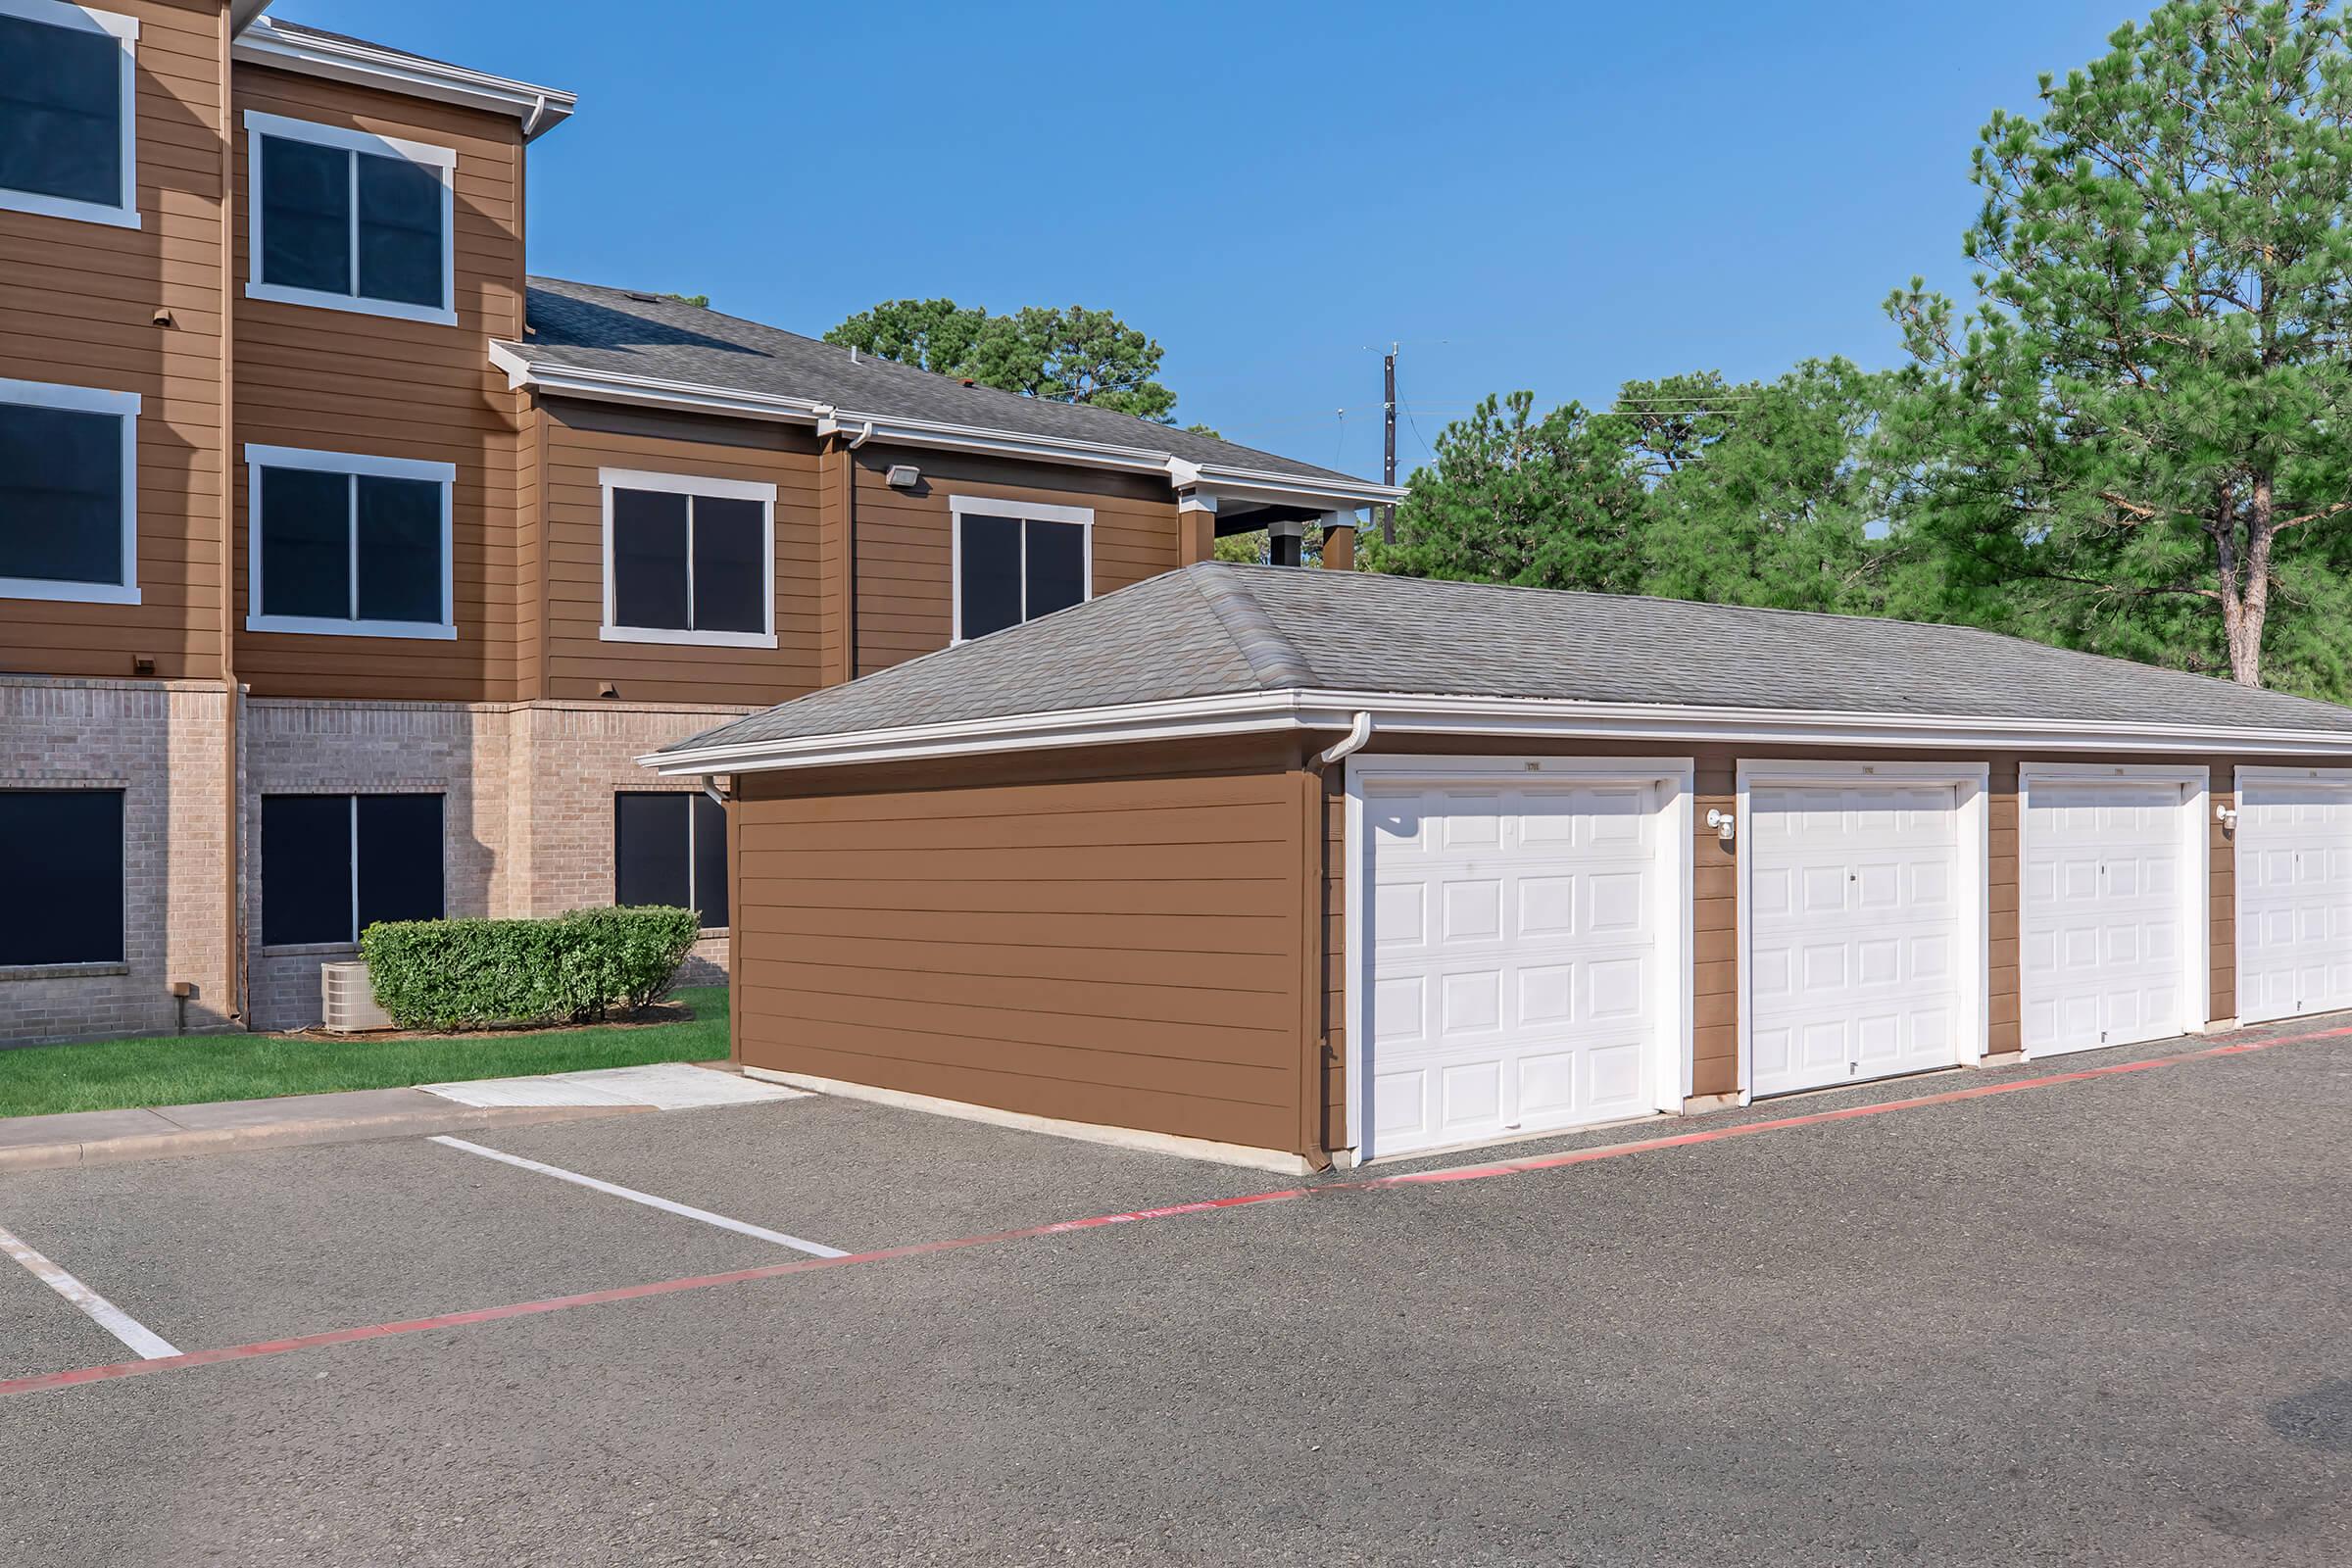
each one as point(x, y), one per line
point(1559, 198)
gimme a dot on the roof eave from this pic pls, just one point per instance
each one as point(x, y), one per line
point(1525, 719)
point(1329, 492)
point(540, 109)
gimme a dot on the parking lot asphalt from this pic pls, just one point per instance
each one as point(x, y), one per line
point(2102, 1321)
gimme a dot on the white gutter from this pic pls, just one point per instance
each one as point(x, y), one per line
point(1531, 719)
point(1253, 484)
point(261, 42)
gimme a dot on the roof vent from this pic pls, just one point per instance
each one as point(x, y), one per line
point(644, 299)
point(968, 381)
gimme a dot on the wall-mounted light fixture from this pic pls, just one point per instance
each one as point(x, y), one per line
point(1723, 822)
point(902, 476)
point(2225, 815)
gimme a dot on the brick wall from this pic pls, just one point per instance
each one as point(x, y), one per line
point(163, 744)
point(527, 802)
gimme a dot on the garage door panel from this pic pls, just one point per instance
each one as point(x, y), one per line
point(1855, 925)
point(2102, 911)
point(1515, 961)
point(2294, 897)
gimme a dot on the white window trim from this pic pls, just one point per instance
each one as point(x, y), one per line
point(1970, 783)
point(87, 399)
point(1027, 512)
point(443, 161)
point(2195, 914)
point(445, 474)
point(124, 213)
point(680, 484)
point(1673, 985)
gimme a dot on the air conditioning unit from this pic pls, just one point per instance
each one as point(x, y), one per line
point(346, 1002)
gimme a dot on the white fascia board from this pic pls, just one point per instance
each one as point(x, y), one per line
point(1291, 489)
point(264, 43)
point(1528, 718)
point(997, 443)
point(613, 386)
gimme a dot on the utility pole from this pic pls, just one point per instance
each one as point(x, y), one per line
point(1388, 444)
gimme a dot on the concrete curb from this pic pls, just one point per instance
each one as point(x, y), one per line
point(289, 1134)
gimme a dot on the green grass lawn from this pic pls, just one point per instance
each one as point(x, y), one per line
point(186, 1070)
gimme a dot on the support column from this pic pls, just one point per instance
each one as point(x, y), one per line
point(1338, 541)
point(1285, 541)
point(1196, 528)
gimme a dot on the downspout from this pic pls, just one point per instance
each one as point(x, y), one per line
point(1315, 1012)
point(232, 822)
point(1359, 735)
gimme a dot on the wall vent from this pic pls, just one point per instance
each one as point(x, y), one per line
point(346, 1002)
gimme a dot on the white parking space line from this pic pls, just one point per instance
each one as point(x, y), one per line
point(147, 1345)
point(738, 1227)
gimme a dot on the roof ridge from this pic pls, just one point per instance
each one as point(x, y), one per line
point(1272, 657)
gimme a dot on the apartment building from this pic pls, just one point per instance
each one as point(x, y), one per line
point(345, 566)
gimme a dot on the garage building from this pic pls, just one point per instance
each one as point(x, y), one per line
point(1294, 867)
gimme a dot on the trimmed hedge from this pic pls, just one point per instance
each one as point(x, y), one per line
point(461, 974)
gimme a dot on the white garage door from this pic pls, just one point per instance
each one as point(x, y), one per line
point(2295, 899)
point(1514, 943)
point(1854, 933)
point(2100, 956)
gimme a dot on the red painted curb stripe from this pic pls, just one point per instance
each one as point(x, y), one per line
point(809, 1265)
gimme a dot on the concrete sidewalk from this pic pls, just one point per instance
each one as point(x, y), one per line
point(112, 1137)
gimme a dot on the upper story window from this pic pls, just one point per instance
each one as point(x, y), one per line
point(67, 115)
point(1017, 560)
point(68, 493)
point(689, 561)
point(350, 220)
point(347, 545)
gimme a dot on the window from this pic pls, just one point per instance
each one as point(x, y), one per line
point(69, 488)
point(348, 546)
point(60, 855)
point(1017, 560)
point(67, 130)
point(670, 848)
point(689, 561)
point(350, 220)
point(333, 865)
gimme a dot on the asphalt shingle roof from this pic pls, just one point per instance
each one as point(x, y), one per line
point(1218, 629)
point(584, 326)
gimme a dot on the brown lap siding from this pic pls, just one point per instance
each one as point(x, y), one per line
point(1058, 937)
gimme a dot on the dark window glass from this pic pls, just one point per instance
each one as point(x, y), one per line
point(306, 215)
point(61, 858)
point(400, 549)
point(1057, 567)
point(306, 869)
point(306, 543)
point(61, 112)
point(709, 859)
point(61, 494)
point(729, 587)
point(648, 560)
point(400, 230)
point(400, 858)
point(650, 861)
point(990, 570)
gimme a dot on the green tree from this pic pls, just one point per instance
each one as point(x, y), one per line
point(2136, 441)
point(1068, 356)
point(1687, 487)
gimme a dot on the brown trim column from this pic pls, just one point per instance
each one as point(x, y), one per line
point(232, 822)
point(1196, 528)
point(1338, 541)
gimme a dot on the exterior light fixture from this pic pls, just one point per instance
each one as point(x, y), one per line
point(1723, 822)
point(2225, 815)
point(904, 476)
